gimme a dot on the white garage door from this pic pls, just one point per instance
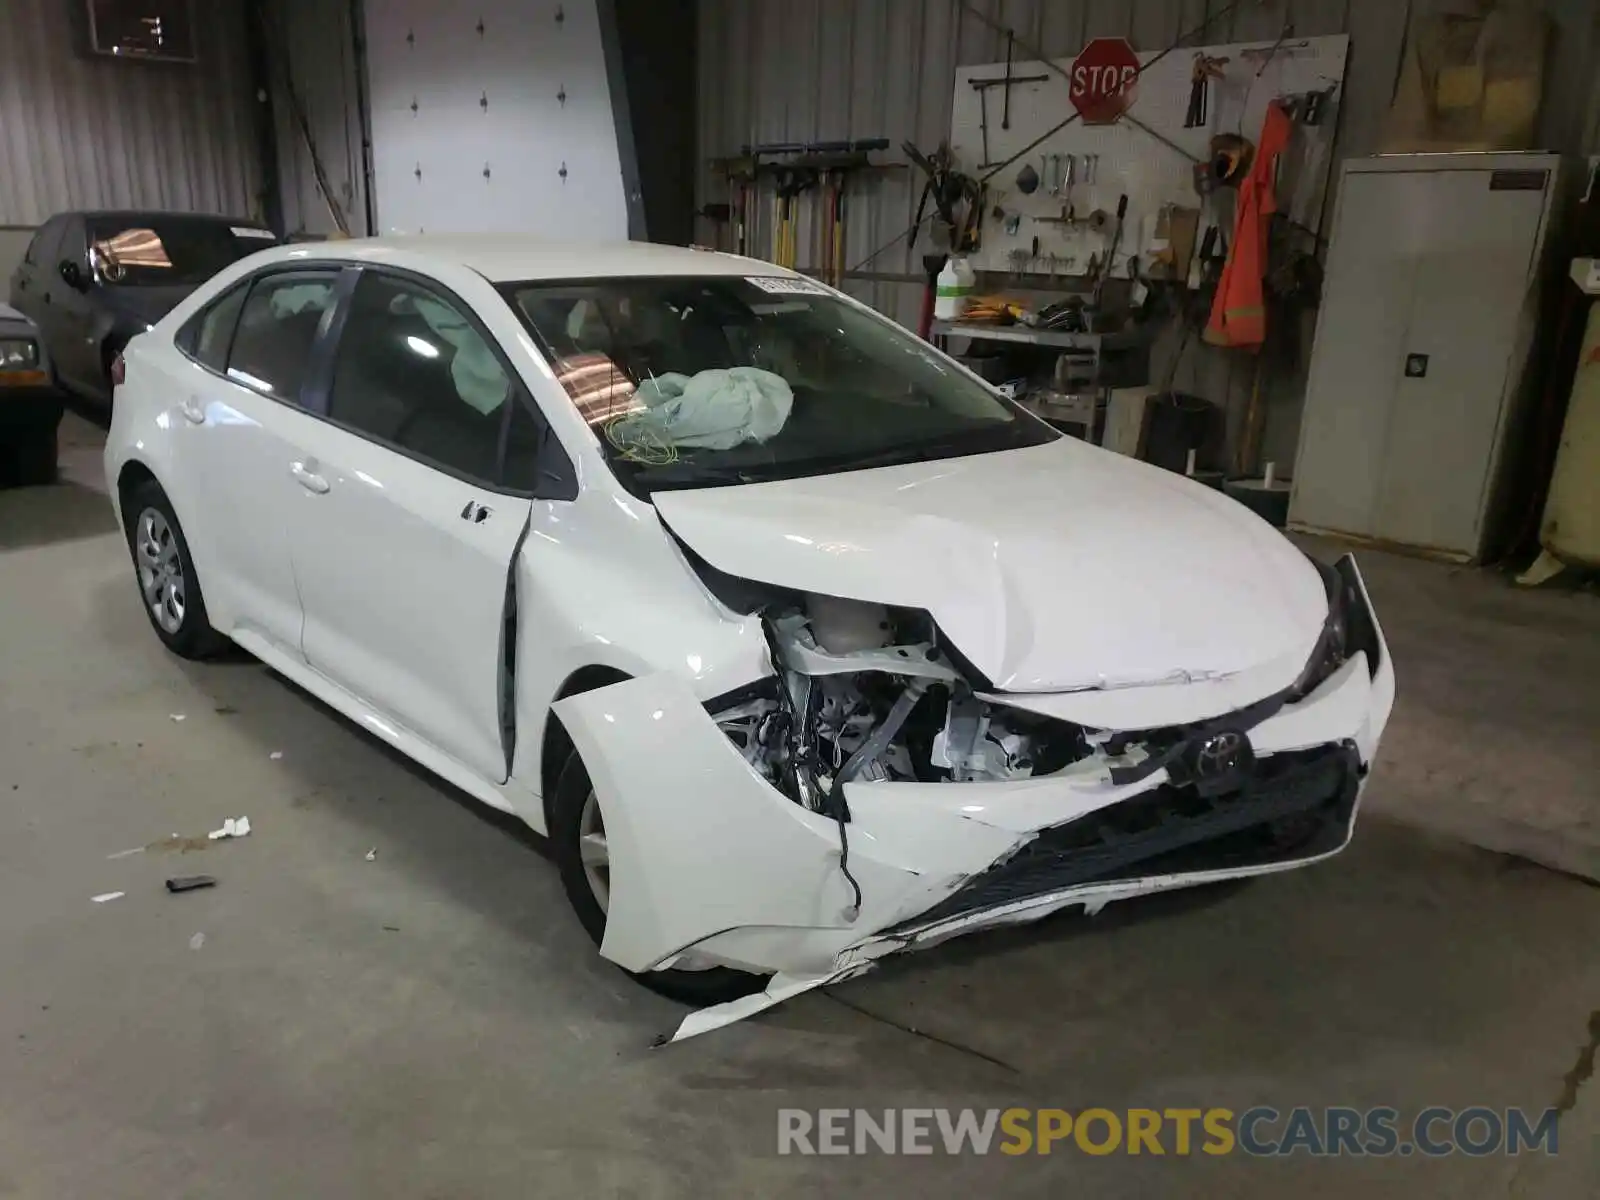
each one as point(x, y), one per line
point(493, 119)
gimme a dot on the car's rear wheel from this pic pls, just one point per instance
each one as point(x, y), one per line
point(168, 585)
point(578, 838)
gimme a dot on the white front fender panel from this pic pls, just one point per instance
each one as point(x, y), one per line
point(700, 843)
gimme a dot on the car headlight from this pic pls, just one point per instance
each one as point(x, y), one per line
point(1332, 647)
point(19, 354)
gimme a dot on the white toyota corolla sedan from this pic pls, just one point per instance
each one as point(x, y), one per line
point(801, 644)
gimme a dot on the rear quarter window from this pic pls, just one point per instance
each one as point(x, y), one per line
point(278, 324)
point(207, 336)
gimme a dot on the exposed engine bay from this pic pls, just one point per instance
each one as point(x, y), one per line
point(866, 692)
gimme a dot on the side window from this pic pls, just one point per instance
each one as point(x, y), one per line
point(534, 459)
point(412, 371)
point(277, 325)
point(205, 337)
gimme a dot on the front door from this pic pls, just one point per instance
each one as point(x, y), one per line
point(74, 347)
point(403, 550)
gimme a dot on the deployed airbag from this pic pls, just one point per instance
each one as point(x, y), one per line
point(712, 410)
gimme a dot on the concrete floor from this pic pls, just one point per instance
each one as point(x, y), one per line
point(434, 1023)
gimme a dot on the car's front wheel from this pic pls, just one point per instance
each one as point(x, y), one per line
point(165, 572)
point(578, 839)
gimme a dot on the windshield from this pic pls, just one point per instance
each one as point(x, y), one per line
point(705, 380)
point(151, 250)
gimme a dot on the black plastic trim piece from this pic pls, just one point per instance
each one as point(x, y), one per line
point(1311, 793)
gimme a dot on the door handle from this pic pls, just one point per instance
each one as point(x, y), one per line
point(308, 479)
point(192, 412)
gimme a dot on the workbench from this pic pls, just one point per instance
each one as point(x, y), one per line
point(1082, 407)
point(1125, 339)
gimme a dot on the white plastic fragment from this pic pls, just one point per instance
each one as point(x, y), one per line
point(372, 855)
point(178, 716)
point(104, 896)
point(126, 853)
point(275, 755)
point(197, 941)
point(232, 828)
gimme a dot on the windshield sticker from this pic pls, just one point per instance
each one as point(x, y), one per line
point(783, 285)
point(247, 231)
point(780, 306)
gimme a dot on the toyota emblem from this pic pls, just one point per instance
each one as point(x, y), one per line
point(1221, 761)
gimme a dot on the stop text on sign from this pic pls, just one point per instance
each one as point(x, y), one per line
point(1102, 80)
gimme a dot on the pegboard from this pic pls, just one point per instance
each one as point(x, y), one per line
point(1130, 160)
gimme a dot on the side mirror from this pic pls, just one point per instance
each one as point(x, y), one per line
point(71, 274)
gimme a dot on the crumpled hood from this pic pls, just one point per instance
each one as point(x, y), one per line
point(1054, 568)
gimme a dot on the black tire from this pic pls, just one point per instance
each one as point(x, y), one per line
point(190, 635)
point(36, 457)
point(711, 986)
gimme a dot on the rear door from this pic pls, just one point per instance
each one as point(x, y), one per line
point(37, 265)
point(412, 518)
point(241, 423)
point(36, 278)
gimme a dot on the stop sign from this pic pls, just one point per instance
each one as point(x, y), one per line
point(1103, 79)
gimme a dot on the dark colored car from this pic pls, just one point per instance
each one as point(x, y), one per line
point(30, 406)
point(92, 280)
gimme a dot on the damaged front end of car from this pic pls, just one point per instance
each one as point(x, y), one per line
point(875, 794)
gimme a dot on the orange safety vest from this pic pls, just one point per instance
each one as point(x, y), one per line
point(1239, 312)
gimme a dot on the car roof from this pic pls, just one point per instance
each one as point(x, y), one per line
point(147, 214)
point(513, 257)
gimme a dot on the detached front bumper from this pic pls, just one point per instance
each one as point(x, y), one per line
point(707, 858)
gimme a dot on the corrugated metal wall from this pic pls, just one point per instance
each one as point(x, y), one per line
point(80, 132)
point(313, 45)
point(802, 70)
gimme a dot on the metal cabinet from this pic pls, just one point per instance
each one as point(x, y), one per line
point(1427, 312)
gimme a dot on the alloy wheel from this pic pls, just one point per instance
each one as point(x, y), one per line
point(160, 569)
point(593, 851)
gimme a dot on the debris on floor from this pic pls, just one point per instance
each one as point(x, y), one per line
point(197, 941)
point(104, 896)
point(275, 755)
point(178, 716)
point(181, 844)
point(372, 855)
point(232, 828)
point(126, 853)
point(190, 883)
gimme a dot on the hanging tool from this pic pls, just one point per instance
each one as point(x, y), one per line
point(982, 86)
point(1205, 70)
point(1111, 254)
point(790, 185)
point(949, 189)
